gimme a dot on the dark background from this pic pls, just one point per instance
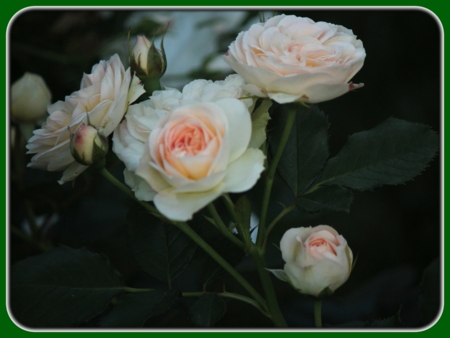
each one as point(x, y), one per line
point(394, 231)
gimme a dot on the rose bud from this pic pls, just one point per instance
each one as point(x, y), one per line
point(87, 145)
point(30, 97)
point(318, 260)
point(148, 62)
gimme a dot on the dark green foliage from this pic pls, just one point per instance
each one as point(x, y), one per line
point(208, 310)
point(133, 309)
point(391, 153)
point(62, 287)
point(326, 197)
point(159, 248)
point(307, 147)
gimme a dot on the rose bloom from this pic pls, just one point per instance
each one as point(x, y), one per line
point(290, 58)
point(30, 97)
point(184, 149)
point(103, 100)
point(316, 258)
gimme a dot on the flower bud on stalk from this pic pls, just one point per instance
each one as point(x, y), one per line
point(148, 62)
point(30, 97)
point(318, 260)
point(88, 146)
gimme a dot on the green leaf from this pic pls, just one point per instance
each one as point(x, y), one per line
point(133, 309)
point(306, 150)
point(260, 117)
point(391, 153)
point(393, 321)
point(280, 274)
point(326, 197)
point(62, 287)
point(212, 271)
point(243, 212)
point(208, 310)
point(159, 248)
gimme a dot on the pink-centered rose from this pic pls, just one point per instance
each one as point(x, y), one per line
point(196, 153)
point(290, 58)
point(102, 101)
point(317, 259)
point(183, 149)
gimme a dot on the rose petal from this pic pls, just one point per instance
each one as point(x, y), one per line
point(243, 173)
point(182, 206)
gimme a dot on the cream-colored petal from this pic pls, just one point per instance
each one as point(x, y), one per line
point(182, 206)
point(243, 173)
point(239, 126)
point(140, 187)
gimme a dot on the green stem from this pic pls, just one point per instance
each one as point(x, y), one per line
point(271, 174)
point(318, 312)
point(283, 213)
point(106, 174)
point(222, 262)
point(264, 275)
point(192, 235)
point(229, 295)
point(135, 290)
point(199, 294)
point(230, 207)
point(222, 227)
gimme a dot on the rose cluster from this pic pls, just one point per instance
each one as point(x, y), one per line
point(183, 149)
point(102, 101)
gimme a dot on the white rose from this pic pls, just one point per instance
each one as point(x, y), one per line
point(30, 97)
point(103, 100)
point(290, 58)
point(316, 259)
point(184, 149)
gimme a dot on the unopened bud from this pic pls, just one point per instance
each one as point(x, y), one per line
point(148, 62)
point(140, 52)
point(87, 145)
point(30, 97)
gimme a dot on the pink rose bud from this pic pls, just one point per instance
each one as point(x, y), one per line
point(87, 145)
point(318, 259)
point(30, 97)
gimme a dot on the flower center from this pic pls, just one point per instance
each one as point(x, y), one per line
point(188, 140)
point(188, 145)
point(321, 245)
